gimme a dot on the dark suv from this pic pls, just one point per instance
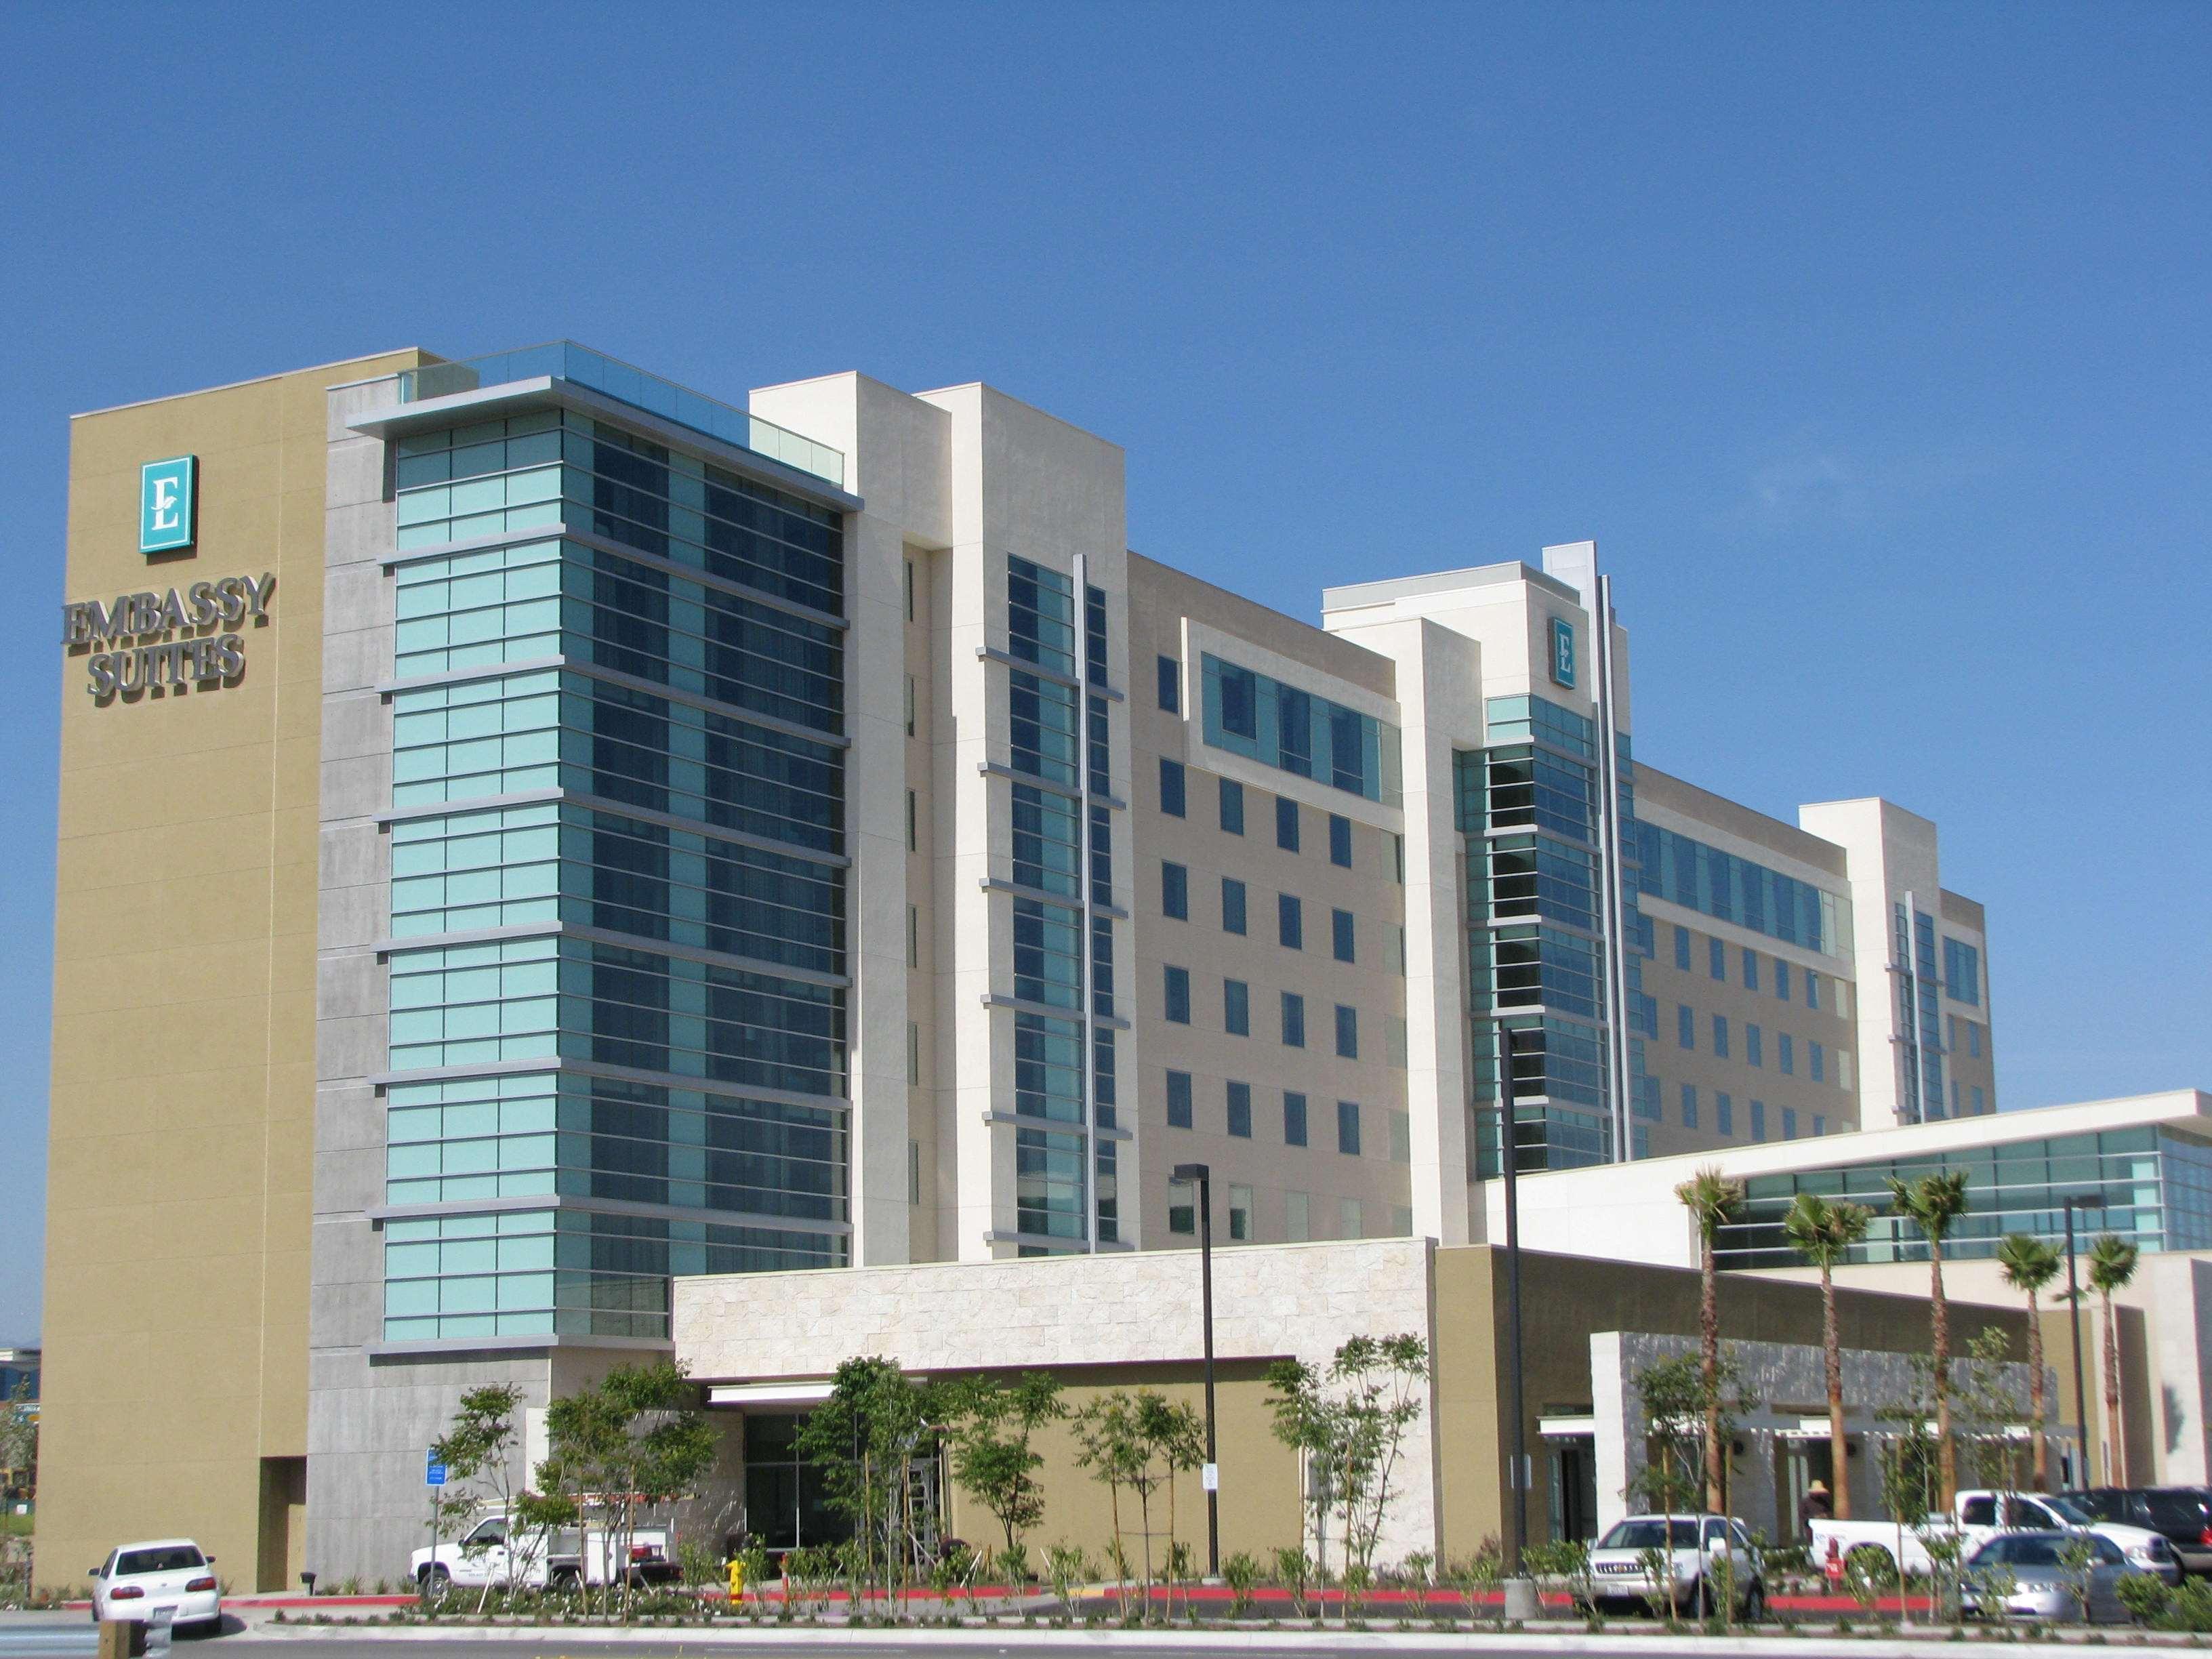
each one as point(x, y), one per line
point(2183, 1513)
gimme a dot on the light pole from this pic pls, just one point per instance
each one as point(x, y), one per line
point(1519, 1595)
point(1202, 1176)
point(2078, 1201)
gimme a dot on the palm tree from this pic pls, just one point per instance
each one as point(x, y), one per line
point(1932, 1203)
point(1823, 1233)
point(2112, 1264)
point(2029, 1265)
point(1713, 1201)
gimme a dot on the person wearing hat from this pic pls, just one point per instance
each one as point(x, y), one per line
point(1815, 1505)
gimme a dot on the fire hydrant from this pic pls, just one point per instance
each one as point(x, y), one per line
point(736, 1579)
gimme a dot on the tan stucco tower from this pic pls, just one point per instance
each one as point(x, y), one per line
point(181, 1142)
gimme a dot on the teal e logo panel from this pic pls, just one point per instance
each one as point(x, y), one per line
point(168, 504)
point(1563, 652)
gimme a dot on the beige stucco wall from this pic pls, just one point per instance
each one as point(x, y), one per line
point(180, 1143)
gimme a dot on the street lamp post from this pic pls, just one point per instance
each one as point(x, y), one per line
point(1202, 1176)
point(2078, 1201)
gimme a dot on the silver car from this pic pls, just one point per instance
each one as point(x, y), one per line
point(2044, 1588)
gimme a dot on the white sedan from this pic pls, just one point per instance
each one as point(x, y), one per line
point(138, 1580)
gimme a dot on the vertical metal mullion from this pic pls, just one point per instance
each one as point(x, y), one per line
point(1611, 889)
point(1085, 946)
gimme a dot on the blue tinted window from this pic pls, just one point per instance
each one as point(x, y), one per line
point(1236, 1007)
point(1172, 787)
point(1689, 1105)
point(1723, 1113)
point(1294, 1020)
point(1240, 1111)
point(1686, 1028)
point(1341, 934)
point(1281, 726)
point(1682, 949)
point(1286, 823)
point(1232, 905)
point(1175, 891)
point(1820, 1124)
point(1781, 980)
point(1348, 1127)
point(1294, 1120)
point(1178, 1100)
point(1171, 685)
point(1785, 1054)
point(1348, 1032)
point(1790, 1123)
point(1719, 1036)
point(1754, 1046)
point(1290, 922)
point(1339, 840)
point(1812, 989)
point(1759, 1120)
point(1750, 969)
point(1232, 806)
point(1816, 1059)
point(1962, 972)
point(1178, 995)
point(1717, 959)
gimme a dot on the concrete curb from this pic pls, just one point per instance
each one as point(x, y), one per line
point(1563, 1641)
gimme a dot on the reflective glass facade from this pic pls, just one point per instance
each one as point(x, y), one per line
point(1060, 735)
point(1528, 809)
point(1704, 879)
point(1251, 714)
point(618, 895)
point(2157, 1185)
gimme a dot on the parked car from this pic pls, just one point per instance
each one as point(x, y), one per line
point(138, 1580)
point(1697, 1547)
point(2183, 1515)
point(2046, 1589)
point(1980, 1516)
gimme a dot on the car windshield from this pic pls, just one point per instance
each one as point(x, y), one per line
point(2176, 1509)
point(2067, 1508)
point(169, 1558)
point(1649, 1535)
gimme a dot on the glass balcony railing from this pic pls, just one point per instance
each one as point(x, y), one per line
point(566, 359)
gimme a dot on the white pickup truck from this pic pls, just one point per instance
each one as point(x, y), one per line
point(1978, 1516)
point(482, 1556)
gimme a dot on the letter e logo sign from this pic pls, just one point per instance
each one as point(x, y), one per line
point(168, 504)
point(1562, 651)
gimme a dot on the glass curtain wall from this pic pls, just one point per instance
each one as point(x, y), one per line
point(618, 885)
point(2157, 1185)
point(1528, 812)
point(1054, 766)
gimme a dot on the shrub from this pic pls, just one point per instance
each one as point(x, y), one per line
point(1241, 1573)
point(2145, 1596)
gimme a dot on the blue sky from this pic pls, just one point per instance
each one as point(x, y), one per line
point(1869, 342)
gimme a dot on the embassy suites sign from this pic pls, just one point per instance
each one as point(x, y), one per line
point(174, 637)
point(136, 635)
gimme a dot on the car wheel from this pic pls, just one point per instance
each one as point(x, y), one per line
point(1701, 1603)
point(1754, 1603)
point(435, 1583)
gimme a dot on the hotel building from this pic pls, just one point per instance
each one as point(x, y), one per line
point(548, 833)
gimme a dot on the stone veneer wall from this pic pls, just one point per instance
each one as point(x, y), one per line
point(1296, 1301)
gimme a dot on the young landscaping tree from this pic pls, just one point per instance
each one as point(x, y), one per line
point(2029, 1266)
point(2112, 1264)
point(1316, 1425)
point(1989, 1408)
point(478, 1450)
point(583, 1434)
point(864, 1439)
point(1176, 1435)
point(1933, 1203)
point(992, 1456)
point(1823, 1233)
point(1713, 1201)
point(1385, 1380)
point(19, 1441)
point(1674, 1397)
point(1107, 1443)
